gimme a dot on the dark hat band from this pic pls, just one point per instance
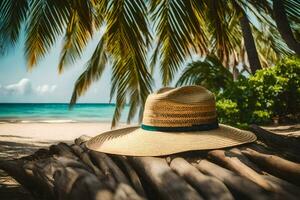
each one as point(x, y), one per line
point(196, 127)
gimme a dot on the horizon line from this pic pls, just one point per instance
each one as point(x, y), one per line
point(53, 103)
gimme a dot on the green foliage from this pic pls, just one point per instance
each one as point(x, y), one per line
point(261, 116)
point(174, 44)
point(209, 73)
point(270, 92)
point(180, 28)
point(228, 111)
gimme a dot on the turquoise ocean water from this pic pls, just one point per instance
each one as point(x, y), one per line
point(57, 112)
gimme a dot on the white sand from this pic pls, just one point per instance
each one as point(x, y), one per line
point(20, 139)
point(52, 131)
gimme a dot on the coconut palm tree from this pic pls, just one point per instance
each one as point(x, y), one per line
point(124, 42)
point(250, 45)
point(285, 11)
point(177, 28)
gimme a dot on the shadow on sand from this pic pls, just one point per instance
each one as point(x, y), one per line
point(13, 147)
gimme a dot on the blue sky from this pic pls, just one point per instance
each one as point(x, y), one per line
point(43, 84)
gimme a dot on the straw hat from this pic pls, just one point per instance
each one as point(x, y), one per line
point(175, 120)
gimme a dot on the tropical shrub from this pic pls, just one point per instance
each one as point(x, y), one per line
point(278, 88)
point(228, 112)
point(271, 92)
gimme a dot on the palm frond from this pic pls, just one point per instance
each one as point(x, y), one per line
point(292, 8)
point(177, 28)
point(134, 102)
point(270, 45)
point(257, 8)
point(46, 22)
point(127, 41)
point(222, 40)
point(85, 13)
point(209, 73)
point(12, 15)
point(100, 11)
point(94, 69)
point(120, 86)
point(77, 36)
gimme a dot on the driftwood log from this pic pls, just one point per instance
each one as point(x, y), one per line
point(287, 144)
point(254, 171)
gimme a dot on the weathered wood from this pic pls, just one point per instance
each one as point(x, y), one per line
point(288, 190)
point(51, 178)
point(131, 174)
point(229, 161)
point(70, 162)
point(104, 167)
point(81, 139)
point(104, 162)
point(291, 144)
point(70, 179)
point(160, 176)
point(275, 165)
point(78, 184)
point(21, 171)
point(240, 187)
point(235, 152)
point(125, 192)
point(209, 187)
point(85, 158)
point(39, 154)
point(106, 171)
point(262, 148)
point(74, 172)
point(77, 149)
point(63, 150)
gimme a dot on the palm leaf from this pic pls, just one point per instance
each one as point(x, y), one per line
point(94, 69)
point(292, 8)
point(219, 16)
point(256, 8)
point(127, 41)
point(134, 102)
point(12, 15)
point(209, 73)
point(270, 45)
point(85, 13)
point(46, 22)
point(77, 36)
point(177, 29)
point(100, 11)
point(120, 85)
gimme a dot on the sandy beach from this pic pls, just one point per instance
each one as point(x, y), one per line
point(52, 131)
point(21, 139)
point(42, 134)
point(24, 137)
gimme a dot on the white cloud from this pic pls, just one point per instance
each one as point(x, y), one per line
point(42, 89)
point(24, 87)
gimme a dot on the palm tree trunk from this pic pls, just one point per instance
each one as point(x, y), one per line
point(284, 27)
point(249, 44)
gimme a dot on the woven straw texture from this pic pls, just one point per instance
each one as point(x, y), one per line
point(172, 107)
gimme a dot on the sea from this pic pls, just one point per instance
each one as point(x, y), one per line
point(58, 112)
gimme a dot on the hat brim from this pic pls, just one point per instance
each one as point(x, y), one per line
point(134, 141)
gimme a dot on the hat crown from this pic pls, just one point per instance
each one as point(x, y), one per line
point(180, 107)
